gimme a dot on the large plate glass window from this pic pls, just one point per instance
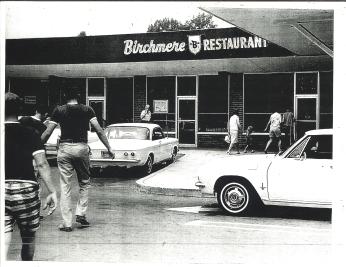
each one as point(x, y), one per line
point(306, 83)
point(186, 86)
point(162, 88)
point(120, 100)
point(265, 94)
point(326, 100)
point(212, 103)
point(96, 87)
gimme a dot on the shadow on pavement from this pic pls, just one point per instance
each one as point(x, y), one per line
point(312, 214)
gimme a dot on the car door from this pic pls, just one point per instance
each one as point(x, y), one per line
point(157, 141)
point(305, 174)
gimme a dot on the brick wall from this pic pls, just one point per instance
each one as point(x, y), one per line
point(236, 100)
point(139, 83)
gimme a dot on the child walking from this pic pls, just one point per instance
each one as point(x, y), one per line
point(249, 143)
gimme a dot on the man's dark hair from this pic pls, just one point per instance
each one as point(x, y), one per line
point(72, 93)
point(235, 111)
point(13, 104)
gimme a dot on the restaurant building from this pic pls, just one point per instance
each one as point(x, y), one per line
point(193, 80)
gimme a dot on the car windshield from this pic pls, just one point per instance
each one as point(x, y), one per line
point(128, 132)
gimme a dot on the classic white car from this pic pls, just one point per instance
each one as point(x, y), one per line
point(298, 177)
point(134, 144)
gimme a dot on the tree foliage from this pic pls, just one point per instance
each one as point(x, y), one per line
point(201, 21)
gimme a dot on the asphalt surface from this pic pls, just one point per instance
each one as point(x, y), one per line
point(129, 226)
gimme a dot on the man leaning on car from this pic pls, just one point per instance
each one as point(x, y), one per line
point(73, 154)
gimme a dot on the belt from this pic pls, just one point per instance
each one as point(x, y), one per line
point(73, 141)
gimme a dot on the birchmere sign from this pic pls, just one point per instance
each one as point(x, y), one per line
point(194, 44)
point(163, 46)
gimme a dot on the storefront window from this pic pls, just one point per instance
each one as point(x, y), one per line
point(306, 83)
point(33, 92)
point(187, 86)
point(119, 101)
point(326, 100)
point(212, 103)
point(96, 87)
point(163, 89)
point(265, 94)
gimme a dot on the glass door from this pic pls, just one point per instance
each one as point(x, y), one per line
point(99, 108)
point(187, 122)
point(306, 115)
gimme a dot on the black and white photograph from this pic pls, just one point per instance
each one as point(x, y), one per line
point(172, 133)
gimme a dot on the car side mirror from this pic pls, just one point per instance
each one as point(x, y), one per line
point(303, 156)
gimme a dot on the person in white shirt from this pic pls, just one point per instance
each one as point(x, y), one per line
point(233, 129)
point(274, 130)
point(146, 114)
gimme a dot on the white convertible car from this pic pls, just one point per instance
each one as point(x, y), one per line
point(134, 144)
point(299, 177)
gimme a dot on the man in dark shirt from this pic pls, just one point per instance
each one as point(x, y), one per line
point(73, 154)
point(22, 200)
point(36, 123)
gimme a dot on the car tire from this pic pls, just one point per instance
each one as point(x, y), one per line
point(174, 156)
point(148, 166)
point(236, 198)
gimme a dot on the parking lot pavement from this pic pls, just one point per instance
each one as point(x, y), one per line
point(179, 178)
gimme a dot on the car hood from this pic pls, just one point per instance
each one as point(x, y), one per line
point(122, 144)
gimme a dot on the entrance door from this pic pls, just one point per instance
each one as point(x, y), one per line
point(187, 122)
point(98, 107)
point(306, 115)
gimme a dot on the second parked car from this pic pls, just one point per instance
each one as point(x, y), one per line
point(301, 176)
point(134, 144)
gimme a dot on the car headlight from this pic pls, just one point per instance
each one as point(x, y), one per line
point(132, 154)
point(126, 154)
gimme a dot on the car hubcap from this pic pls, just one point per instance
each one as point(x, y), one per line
point(235, 197)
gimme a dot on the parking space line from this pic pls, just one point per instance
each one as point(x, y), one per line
point(260, 227)
point(195, 209)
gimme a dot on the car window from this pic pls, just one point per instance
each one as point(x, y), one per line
point(128, 132)
point(319, 147)
point(157, 134)
point(298, 150)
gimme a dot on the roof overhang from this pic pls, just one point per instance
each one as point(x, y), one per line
point(163, 68)
point(305, 32)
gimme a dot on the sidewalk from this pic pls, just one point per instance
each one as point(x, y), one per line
point(178, 179)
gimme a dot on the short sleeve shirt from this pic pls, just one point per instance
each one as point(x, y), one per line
point(21, 144)
point(146, 115)
point(275, 120)
point(234, 123)
point(74, 121)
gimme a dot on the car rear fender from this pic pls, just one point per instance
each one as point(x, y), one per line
point(221, 181)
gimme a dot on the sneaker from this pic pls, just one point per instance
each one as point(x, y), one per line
point(82, 220)
point(64, 228)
